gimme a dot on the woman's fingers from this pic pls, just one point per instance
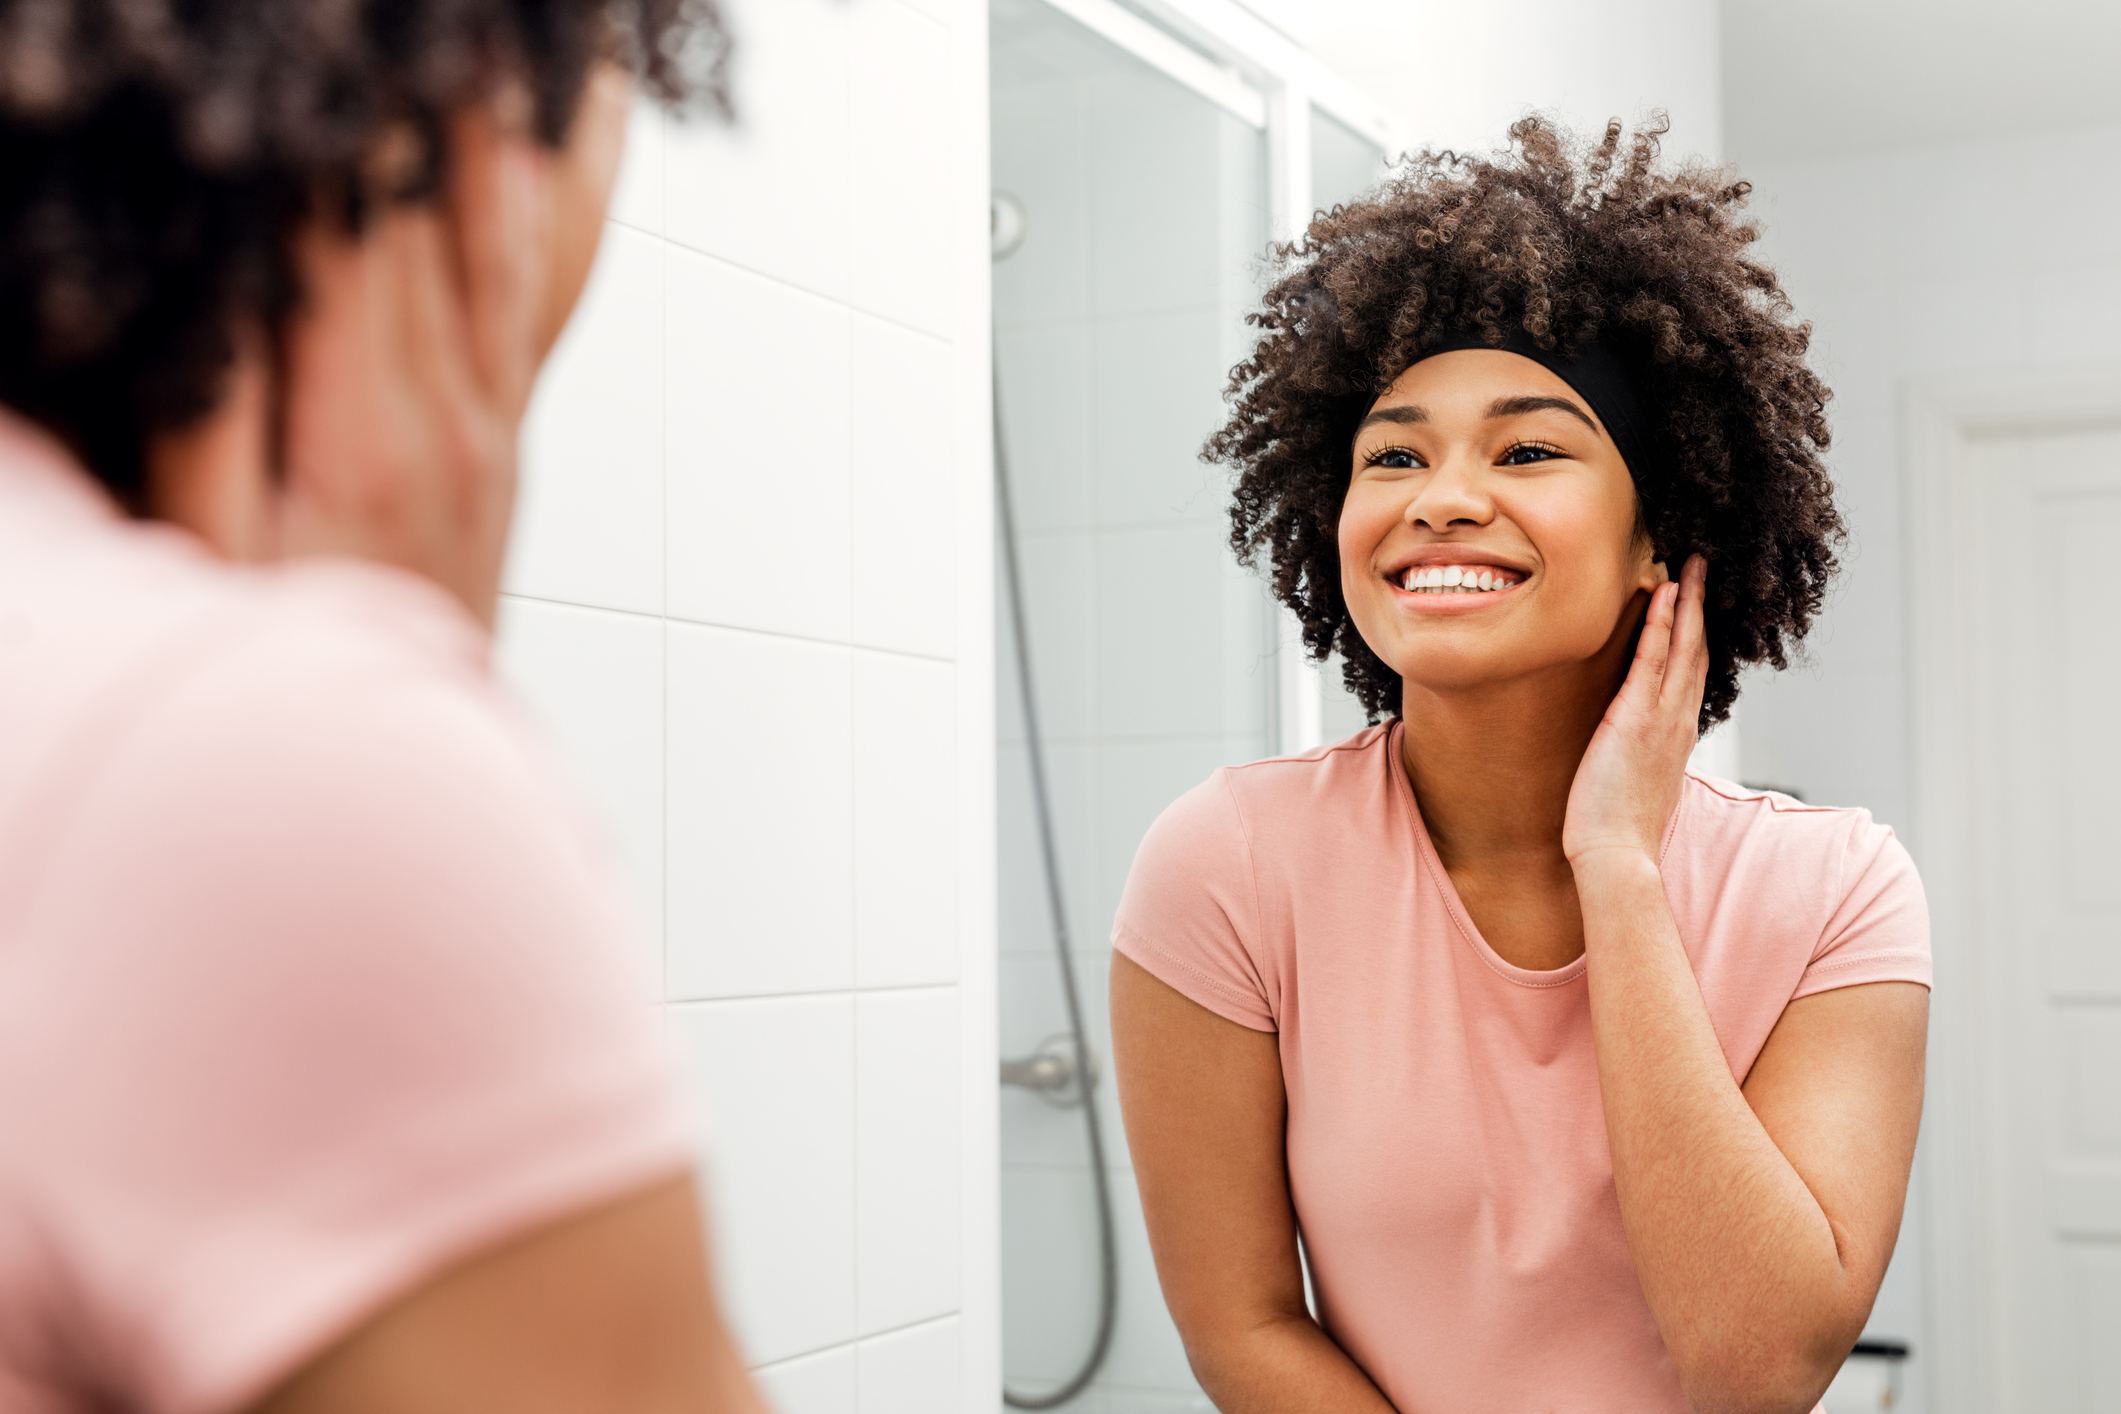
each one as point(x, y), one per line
point(1653, 646)
point(1687, 673)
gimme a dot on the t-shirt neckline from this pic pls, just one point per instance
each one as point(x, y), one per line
point(1440, 878)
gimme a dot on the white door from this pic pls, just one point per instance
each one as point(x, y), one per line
point(2044, 941)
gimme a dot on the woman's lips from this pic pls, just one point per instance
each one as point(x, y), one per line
point(1419, 603)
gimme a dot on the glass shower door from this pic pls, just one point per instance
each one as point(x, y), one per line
point(1131, 212)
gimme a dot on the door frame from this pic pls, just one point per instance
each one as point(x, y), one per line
point(1942, 528)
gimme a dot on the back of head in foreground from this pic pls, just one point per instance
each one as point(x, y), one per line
point(278, 277)
point(285, 273)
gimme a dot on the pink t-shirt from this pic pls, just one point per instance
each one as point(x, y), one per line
point(1447, 1151)
point(312, 980)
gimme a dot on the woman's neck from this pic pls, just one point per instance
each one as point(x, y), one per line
point(210, 477)
point(1492, 768)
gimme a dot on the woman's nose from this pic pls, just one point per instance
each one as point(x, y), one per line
point(1455, 489)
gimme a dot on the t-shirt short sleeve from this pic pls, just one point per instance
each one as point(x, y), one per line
point(1190, 912)
point(333, 990)
point(1879, 928)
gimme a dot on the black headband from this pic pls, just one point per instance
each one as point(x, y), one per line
point(1595, 372)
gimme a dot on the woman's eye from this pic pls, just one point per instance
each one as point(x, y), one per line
point(1400, 459)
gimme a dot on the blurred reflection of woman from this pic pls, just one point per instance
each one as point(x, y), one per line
point(324, 1081)
point(1591, 1081)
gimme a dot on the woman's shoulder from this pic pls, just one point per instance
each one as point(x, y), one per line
point(1741, 829)
point(1245, 818)
point(1294, 779)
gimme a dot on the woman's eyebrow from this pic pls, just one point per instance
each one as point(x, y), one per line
point(1501, 407)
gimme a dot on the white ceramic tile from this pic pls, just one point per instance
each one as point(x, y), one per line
point(758, 432)
point(947, 11)
point(1058, 577)
point(1024, 908)
point(1049, 1272)
point(1046, 418)
point(814, 1384)
point(595, 680)
point(912, 1371)
point(1041, 162)
point(909, 1064)
point(905, 461)
point(905, 821)
point(589, 515)
point(1155, 155)
point(912, 226)
point(1185, 635)
point(1034, 1009)
point(771, 191)
point(1090, 1400)
point(761, 815)
point(637, 199)
point(1157, 395)
point(775, 1085)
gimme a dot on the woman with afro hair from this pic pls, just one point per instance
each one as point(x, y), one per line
point(326, 1082)
point(1589, 1081)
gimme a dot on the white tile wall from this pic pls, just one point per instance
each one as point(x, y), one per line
point(589, 526)
point(740, 599)
point(770, 193)
point(902, 410)
point(761, 815)
point(760, 439)
point(1045, 376)
point(1071, 783)
point(1148, 425)
point(901, 1372)
point(906, 1182)
point(900, 123)
point(814, 1384)
point(595, 679)
point(905, 827)
point(776, 1083)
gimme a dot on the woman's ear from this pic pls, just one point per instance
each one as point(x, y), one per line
point(1650, 571)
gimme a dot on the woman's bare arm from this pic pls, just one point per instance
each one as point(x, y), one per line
point(609, 1310)
point(1760, 1218)
point(1205, 1114)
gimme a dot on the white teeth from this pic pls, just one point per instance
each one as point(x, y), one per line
point(1455, 579)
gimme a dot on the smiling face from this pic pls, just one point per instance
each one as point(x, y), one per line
point(1486, 454)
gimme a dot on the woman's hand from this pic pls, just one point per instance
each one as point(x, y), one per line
point(411, 366)
point(1630, 779)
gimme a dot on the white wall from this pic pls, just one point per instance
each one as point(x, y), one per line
point(1999, 256)
point(1457, 75)
point(749, 593)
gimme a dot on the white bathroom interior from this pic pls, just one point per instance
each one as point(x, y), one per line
point(764, 593)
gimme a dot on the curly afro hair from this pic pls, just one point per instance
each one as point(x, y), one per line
point(1564, 245)
point(158, 156)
